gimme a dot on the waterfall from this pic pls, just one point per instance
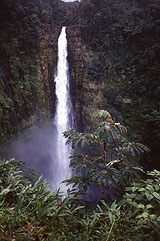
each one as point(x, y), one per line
point(64, 113)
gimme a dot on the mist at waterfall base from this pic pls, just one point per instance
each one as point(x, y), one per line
point(37, 148)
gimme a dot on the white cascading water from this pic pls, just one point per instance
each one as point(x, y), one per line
point(64, 113)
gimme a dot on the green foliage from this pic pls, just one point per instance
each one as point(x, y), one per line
point(143, 199)
point(123, 38)
point(113, 166)
point(27, 209)
point(27, 58)
point(34, 212)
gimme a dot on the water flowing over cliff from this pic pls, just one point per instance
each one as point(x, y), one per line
point(64, 112)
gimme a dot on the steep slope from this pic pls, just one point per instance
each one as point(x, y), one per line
point(123, 37)
point(28, 55)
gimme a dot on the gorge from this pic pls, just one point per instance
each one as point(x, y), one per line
point(106, 65)
point(95, 82)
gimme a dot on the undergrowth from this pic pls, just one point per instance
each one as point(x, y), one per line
point(34, 212)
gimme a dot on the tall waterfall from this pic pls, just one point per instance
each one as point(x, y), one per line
point(64, 112)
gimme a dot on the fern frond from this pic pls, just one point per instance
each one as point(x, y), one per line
point(101, 114)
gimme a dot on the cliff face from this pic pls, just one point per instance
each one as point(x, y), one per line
point(123, 36)
point(27, 82)
point(77, 68)
point(28, 56)
point(114, 57)
point(27, 85)
point(87, 96)
point(47, 66)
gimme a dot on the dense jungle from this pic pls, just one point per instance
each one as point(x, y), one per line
point(114, 66)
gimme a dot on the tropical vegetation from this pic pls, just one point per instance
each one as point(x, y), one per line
point(114, 61)
point(33, 212)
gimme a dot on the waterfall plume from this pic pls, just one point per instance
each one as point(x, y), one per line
point(64, 113)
